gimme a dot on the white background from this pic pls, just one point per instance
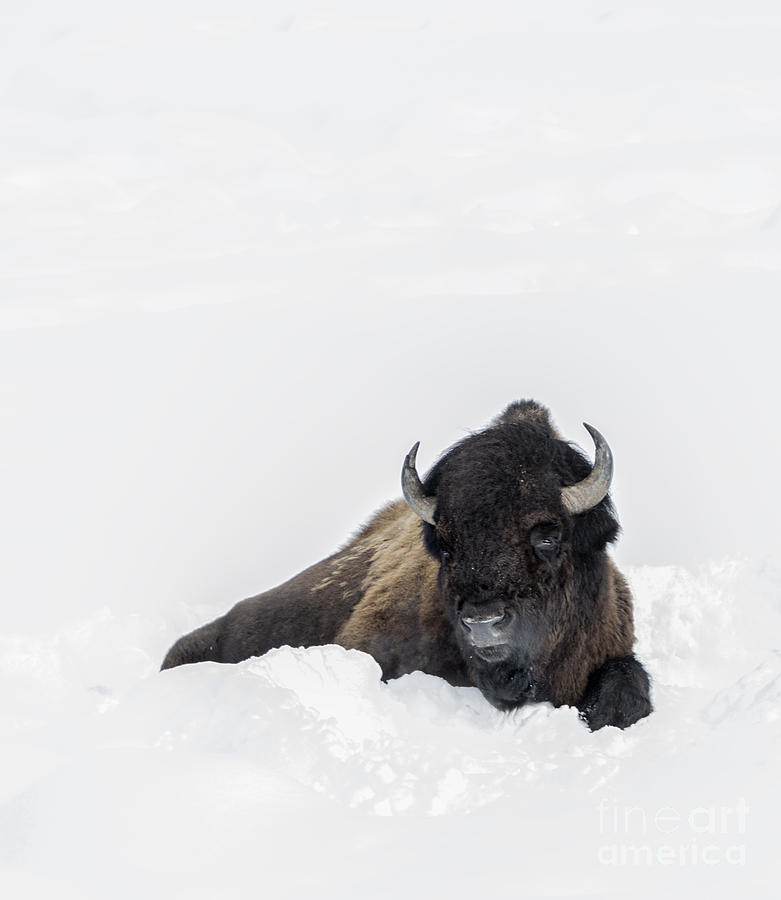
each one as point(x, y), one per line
point(249, 253)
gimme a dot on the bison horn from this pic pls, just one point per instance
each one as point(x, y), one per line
point(413, 490)
point(587, 493)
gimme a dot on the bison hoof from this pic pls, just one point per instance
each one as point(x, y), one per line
point(617, 694)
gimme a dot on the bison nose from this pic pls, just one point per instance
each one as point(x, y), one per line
point(484, 629)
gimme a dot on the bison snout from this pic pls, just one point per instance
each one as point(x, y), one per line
point(486, 630)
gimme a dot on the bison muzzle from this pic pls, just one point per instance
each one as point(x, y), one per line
point(492, 572)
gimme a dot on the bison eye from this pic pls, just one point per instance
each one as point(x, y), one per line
point(445, 550)
point(447, 557)
point(546, 542)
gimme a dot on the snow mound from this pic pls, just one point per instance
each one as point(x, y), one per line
point(324, 717)
point(197, 768)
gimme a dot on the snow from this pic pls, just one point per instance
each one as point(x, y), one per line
point(211, 779)
point(249, 254)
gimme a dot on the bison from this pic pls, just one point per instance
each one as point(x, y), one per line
point(491, 572)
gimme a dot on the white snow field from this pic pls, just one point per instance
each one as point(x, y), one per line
point(249, 253)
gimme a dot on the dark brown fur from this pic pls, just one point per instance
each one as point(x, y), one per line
point(387, 592)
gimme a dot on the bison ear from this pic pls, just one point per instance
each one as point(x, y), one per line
point(593, 530)
point(431, 541)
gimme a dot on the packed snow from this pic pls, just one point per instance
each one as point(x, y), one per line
point(251, 252)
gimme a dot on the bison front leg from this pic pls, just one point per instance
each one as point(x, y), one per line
point(618, 693)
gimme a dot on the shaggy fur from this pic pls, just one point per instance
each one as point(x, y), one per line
point(400, 588)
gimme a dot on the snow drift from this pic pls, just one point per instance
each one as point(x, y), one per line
point(213, 777)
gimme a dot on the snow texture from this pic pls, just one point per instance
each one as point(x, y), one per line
point(249, 253)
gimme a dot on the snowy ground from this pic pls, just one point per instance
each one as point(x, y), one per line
point(249, 253)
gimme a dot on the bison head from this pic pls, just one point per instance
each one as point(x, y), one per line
point(518, 521)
